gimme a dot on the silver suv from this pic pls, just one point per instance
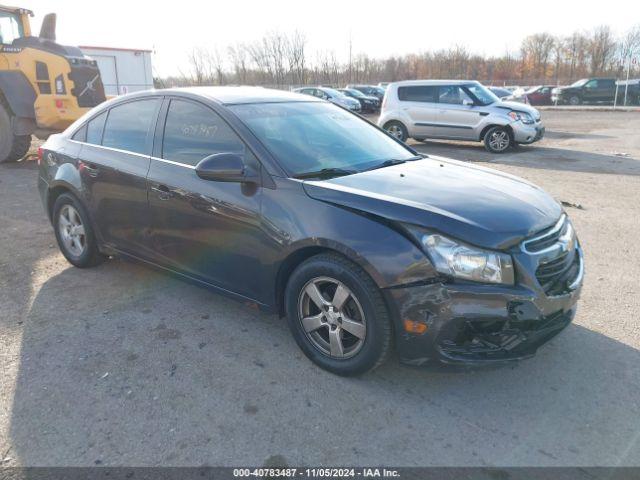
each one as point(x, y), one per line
point(457, 110)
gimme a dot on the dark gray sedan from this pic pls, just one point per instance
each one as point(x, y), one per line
point(305, 209)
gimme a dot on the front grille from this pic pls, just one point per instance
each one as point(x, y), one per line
point(556, 275)
point(548, 237)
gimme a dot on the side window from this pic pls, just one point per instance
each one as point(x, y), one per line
point(128, 125)
point(193, 132)
point(452, 95)
point(94, 129)
point(418, 93)
point(81, 134)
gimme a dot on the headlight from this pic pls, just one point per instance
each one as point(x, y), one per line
point(466, 262)
point(522, 116)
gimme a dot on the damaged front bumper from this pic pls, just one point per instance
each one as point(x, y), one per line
point(473, 324)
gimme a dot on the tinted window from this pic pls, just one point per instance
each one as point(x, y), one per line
point(452, 94)
point(128, 125)
point(80, 135)
point(94, 129)
point(418, 93)
point(193, 132)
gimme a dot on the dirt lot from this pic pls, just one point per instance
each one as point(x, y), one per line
point(122, 365)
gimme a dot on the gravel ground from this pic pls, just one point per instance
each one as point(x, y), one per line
point(122, 365)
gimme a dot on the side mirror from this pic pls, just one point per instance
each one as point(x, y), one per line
point(225, 167)
point(467, 103)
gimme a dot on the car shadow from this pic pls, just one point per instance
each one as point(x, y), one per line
point(123, 365)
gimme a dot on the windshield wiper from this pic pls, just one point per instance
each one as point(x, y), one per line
point(325, 173)
point(395, 161)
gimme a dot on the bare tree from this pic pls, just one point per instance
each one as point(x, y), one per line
point(602, 49)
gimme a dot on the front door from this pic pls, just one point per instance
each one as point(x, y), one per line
point(209, 230)
point(114, 161)
point(457, 117)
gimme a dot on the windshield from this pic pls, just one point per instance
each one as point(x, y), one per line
point(10, 27)
point(580, 83)
point(309, 137)
point(482, 94)
point(355, 93)
point(333, 92)
point(533, 89)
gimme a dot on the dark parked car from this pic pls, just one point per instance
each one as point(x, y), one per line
point(540, 95)
point(369, 90)
point(501, 93)
point(369, 104)
point(595, 90)
point(310, 211)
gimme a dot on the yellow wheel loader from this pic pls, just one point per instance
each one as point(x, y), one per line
point(44, 86)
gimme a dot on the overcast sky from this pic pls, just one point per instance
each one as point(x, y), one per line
point(376, 28)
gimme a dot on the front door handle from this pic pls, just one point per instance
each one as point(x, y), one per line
point(164, 192)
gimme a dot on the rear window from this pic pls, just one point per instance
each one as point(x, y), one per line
point(94, 129)
point(418, 93)
point(128, 125)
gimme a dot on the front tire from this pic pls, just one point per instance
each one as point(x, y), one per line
point(397, 130)
point(12, 147)
point(74, 233)
point(575, 100)
point(497, 139)
point(337, 315)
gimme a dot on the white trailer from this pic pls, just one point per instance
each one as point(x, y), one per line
point(123, 70)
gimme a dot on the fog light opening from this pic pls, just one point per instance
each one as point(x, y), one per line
point(412, 326)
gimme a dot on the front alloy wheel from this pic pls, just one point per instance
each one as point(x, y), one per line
point(337, 315)
point(497, 140)
point(332, 317)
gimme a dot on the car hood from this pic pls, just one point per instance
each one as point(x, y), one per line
point(480, 206)
point(519, 107)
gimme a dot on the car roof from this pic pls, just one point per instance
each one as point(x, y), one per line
point(233, 95)
point(432, 82)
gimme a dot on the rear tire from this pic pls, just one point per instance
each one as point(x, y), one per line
point(74, 233)
point(354, 321)
point(397, 130)
point(12, 147)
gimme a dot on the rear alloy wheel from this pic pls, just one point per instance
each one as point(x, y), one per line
point(397, 130)
point(337, 315)
point(497, 139)
point(74, 233)
point(574, 100)
point(12, 147)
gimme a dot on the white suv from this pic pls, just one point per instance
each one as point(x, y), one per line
point(457, 110)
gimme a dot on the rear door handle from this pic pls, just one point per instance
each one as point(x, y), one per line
point(164, 192)
point(91, 169)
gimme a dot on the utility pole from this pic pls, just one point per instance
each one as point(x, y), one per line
point(350, 52)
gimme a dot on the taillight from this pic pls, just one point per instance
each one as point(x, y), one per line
point(40, 153)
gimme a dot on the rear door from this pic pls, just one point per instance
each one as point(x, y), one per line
point(207, 229)
point(454, 119)
point(419, 102)
point(114, 162)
